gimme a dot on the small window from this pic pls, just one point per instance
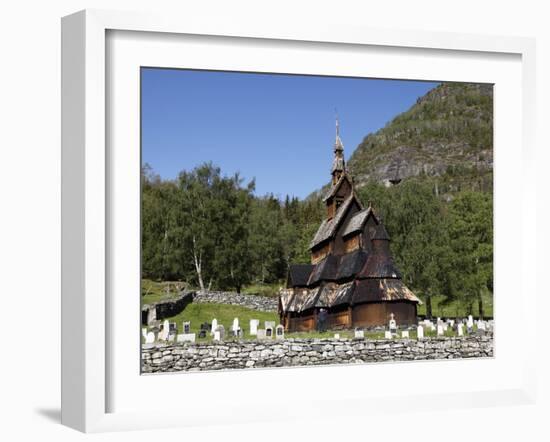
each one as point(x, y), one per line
point(339, 202)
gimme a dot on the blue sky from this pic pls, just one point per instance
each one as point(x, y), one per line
point(276, 128)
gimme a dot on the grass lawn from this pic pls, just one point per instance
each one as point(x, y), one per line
point(457, 309)
point(224, 313)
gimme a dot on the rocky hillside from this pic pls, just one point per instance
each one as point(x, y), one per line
point(447, 136)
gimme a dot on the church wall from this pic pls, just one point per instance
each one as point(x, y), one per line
point(378, 313)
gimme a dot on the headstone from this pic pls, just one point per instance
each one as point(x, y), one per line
point(221, 329)
point(171, 337)
point(445, 326)
point(481, 325)
point(163, 335)
point(254, 323)
point(420, 332)
point(214, 325)
point(144, 332)
point(337, 336)
point(269, 332)
point(405, 334)
point(150, 338)
point(217, 336)
point(460, 329)
point(279, 332)
point(151, 315)
point(359, 334)
point(470, 323)
point(187, 327)
point(452, 322)
point(202, 334)
point(392, 324)
point(387, 335)
point(260, 334)
point(187, 337)
point(235, 327)
point(439, 330)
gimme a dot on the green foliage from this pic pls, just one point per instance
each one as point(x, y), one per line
point(209, 230)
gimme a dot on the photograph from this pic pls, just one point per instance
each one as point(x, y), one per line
point(305, 220)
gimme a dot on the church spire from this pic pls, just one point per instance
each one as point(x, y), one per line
point(338, 163)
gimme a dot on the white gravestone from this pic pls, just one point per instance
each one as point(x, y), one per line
point(186, 337)
point(359, 334)
point(470, 323)
point(439, 330)
point(460, 329)
point(214, 325)
point(254, 323)
point(260, 334)
point(336, 336)
point(150, 338)
point(420, 332)
point(235, 326)
point(405, 334)
point(387, 335)
point(171, 337)
point(392, 324)
point(165, 332)
point(279, 332)
point(217, 336)
point(481, 325)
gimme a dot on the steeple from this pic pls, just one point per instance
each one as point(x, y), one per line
point(338, 163)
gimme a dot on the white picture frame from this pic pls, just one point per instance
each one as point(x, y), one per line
point(87, 207)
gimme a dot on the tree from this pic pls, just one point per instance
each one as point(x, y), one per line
point(471, 237)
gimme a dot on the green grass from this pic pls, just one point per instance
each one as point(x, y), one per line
point(224, 313)
point(456, 308)
point(271, 290)
point(154, 291)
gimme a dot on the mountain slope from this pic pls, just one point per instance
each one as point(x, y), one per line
point(446, 136)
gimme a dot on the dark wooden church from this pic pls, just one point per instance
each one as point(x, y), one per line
point(352, 274)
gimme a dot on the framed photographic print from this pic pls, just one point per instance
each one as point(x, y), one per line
point(250, 209)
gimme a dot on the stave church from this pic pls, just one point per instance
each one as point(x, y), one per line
point(352, 275)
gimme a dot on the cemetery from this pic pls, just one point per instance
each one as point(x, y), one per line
point(238, 344)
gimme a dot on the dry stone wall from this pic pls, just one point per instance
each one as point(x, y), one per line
point(253, 302)
point(300, 352)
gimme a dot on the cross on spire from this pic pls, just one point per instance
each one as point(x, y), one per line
point(338, 163)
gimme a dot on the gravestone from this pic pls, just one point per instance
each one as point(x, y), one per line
point(214, 325)
point(151, 315)
point(221, 329)
point(279, 332)
point(420, 332)
point(405, 334)
point(187, 337)
point(481, 325)
point(144, 332)
point(359, 334)
point(171, 337)
point(254, 323)
point(260, 334)
point(336, 336)
point(470, 323)
point(392, 324)
point(150, 338)
point(187, 327)
point(163, 335)
point(440, 330)
point(202, 333)
point(269, 332)
point(235, 327)
point(217, 336)
point(387, 335)
point(460, 329)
